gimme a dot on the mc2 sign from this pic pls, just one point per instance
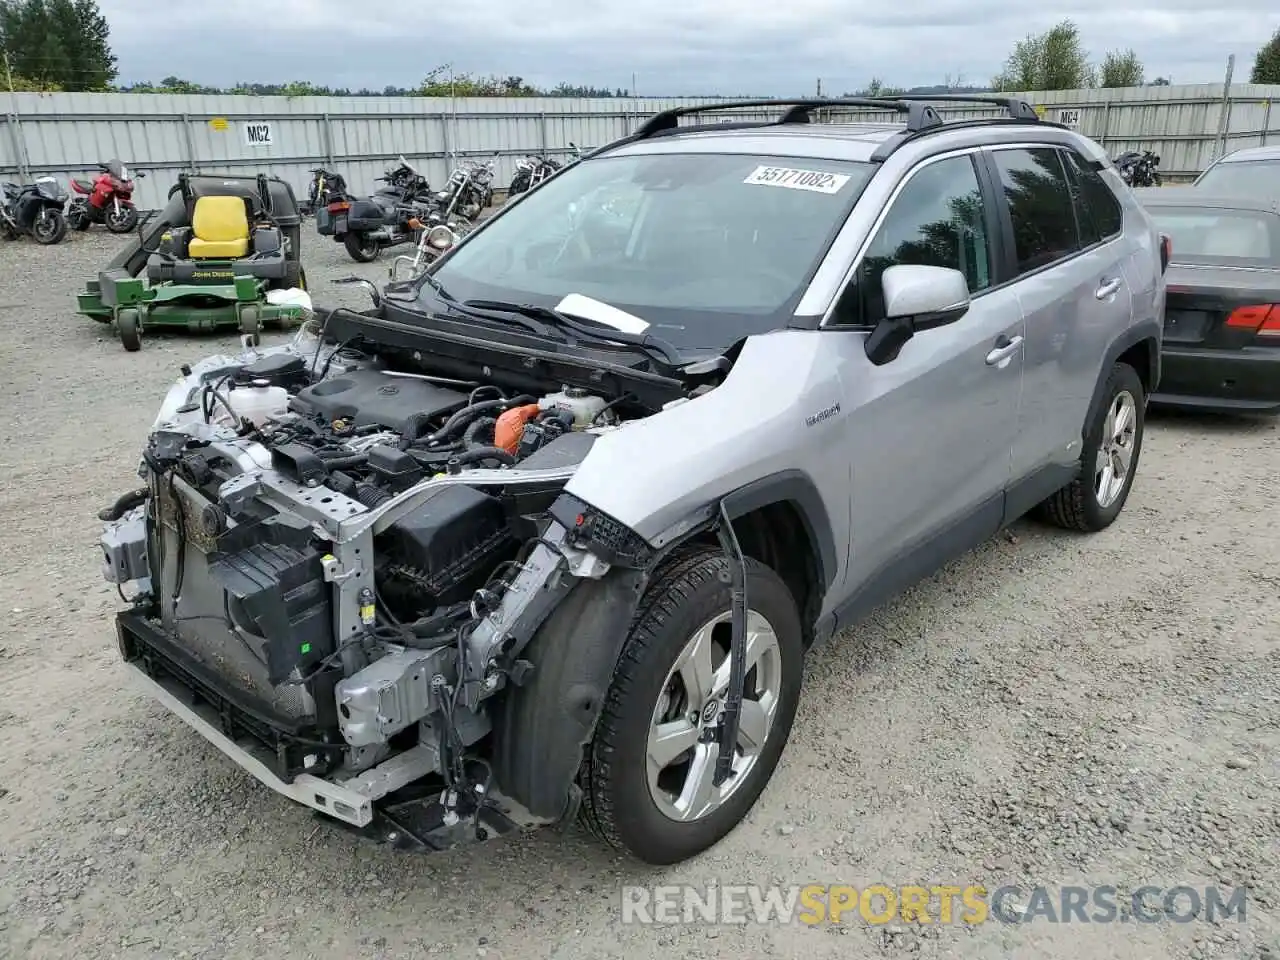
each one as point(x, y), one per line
point(257, 133)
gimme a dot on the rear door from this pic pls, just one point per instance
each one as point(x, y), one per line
point(1075, 299)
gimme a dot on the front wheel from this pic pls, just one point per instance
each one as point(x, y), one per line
point(78, 219)
point(50, 227)
point(122, 220)
point(361, 247)
point(129, 326)
point(1109, 460)
point(648, 779)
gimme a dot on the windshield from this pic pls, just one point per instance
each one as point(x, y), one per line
point(117, 170)
point(1204, 235)
point(707, 248)
point(1246, 178)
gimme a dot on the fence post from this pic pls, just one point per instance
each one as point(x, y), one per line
point(19, 146)
point(542, 133)
point(1224, 114)
point(1266, 122)
point(327, 129)
point(448, 149)
point(190, 143)
point(1106, 123)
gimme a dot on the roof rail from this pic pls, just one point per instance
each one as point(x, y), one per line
point(921, 117)
point(1016, 110)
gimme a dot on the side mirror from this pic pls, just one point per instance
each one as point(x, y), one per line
point(916, 298)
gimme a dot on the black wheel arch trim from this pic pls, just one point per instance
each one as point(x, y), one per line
point(794, 486)
point(1148, 330)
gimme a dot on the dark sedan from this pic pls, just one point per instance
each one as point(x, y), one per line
point(1222, 316)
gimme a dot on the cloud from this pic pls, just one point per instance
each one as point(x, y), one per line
point(673, 47)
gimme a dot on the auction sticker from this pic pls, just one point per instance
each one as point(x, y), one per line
point(814, 180)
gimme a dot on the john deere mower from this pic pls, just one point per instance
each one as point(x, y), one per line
point(220, 255)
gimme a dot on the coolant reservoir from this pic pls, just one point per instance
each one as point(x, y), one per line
point(255, 403)
point(584, 406)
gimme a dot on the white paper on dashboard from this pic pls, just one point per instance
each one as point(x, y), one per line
point(577, 305)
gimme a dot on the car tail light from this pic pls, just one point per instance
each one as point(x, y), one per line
point(339, 206)
point(1261, 319)
point(1166, 251)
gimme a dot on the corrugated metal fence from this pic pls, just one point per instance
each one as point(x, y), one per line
point(68, 133)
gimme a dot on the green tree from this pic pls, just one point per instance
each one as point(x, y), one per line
point(62, 43)
point(1121, 68)
point(1053, 60)
point(1266, 65)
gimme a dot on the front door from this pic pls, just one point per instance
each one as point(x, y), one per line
point(933, 430)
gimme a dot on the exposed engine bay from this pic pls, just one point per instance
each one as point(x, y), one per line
point(339, 557)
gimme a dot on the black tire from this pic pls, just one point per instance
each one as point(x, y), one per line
point(130, 328)
point(126, 222)
point(78, 220)
point(617, 804)
point(361, 248)
point(49, 228)
point(1076, 506)
point(518, 185)
point(251, 324)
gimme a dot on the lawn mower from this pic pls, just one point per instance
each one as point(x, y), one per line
point(223, 253)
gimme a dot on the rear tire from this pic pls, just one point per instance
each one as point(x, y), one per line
point(1092, 501)
point(361, 247)
point(129, 325)
point(625, 804)
point(78, 220)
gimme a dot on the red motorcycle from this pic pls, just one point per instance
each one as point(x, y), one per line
point(107, 200)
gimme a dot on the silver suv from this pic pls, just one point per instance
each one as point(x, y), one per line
point(550, 528)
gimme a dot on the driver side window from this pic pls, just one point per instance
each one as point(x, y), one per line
point(936, 220)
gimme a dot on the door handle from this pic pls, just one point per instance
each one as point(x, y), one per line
point(1108, 289)
point(1005, 348)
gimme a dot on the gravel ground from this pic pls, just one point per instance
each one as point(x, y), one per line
point(1050, 710)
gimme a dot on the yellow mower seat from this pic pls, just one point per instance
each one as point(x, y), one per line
point(220, 228)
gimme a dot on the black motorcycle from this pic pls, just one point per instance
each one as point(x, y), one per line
point(325, 188)
point(468, 192)
point(34, 210)
point(532, 170)
point(368, 226)
point(1139, 169)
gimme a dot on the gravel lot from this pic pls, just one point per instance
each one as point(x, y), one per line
point(1050, 710)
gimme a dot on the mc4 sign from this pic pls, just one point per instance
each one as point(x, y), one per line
point(1069, 118)
point(257, 133)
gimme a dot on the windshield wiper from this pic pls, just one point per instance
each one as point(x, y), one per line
point(656, 347)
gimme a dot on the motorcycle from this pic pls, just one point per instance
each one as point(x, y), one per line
point(367, 226)
point(1139, 169)
point(435, 238)
point(325, 188)
point(35, 210)
point(531, 171)
point(469, 190)
point(108, 199)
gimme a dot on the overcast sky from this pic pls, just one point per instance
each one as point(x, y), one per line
point(673, 47)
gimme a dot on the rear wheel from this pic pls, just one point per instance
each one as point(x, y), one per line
point(1109, 461)
point(50, 227)
point(129, 325)
point(648, 777)
point(78, 219)
point(122, 220)
point(362, 247)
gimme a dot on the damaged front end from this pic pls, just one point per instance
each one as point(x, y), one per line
point(336, 569)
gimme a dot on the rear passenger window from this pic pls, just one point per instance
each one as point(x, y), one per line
point(1039, 196)
point(1101, 216)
